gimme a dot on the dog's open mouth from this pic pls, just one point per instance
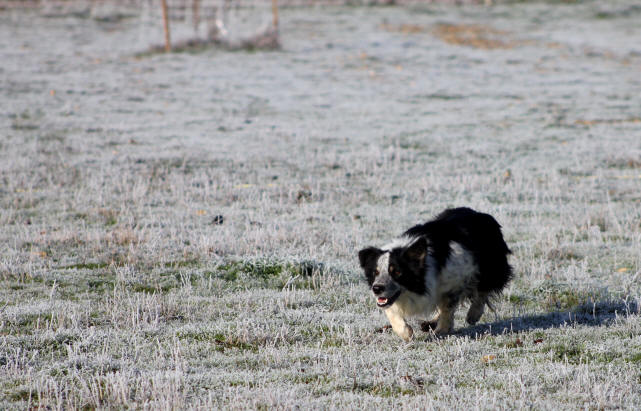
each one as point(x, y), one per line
point(387, 301)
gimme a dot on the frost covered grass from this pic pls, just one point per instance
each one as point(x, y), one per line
point(180, 231)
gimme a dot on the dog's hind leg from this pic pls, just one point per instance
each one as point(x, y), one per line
point(399, 325)
point(479, 300)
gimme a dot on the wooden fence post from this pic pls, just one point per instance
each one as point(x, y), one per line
point(165, 20)
point(196, 14)
point(275, 13)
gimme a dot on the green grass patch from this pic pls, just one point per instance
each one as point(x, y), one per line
point(523, 300)
point(21, 277)
point(14, 390)
point(218, 340)
point(159, 283)
point(111, 221)
point(145, 288)
point(571, 352)
point(85, 266)
point(635, 358)
point(270, 274)
point(169, 280)
point(21, 394)
point(29, 320)
point(561, 297)
point(101, 285)
point(381, 390)
point(579, 353)
point(517, 299)
point(192, 262)
point(48, 347)
point(236, 383)
point(231, 271)
point(257, 274)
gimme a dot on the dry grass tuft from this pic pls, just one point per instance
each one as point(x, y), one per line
point(406, 28)
point(594, 122)
point(476, 36)
point(121, 236)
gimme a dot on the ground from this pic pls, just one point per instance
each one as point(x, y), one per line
point(180, 230)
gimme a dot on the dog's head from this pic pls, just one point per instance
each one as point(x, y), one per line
point(390, 272)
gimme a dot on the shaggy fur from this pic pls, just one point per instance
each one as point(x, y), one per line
point(460, 255)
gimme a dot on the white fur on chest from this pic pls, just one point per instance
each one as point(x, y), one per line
point(410, 304)
point(456, 276)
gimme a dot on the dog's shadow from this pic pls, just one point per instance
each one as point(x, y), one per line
point(599, 313)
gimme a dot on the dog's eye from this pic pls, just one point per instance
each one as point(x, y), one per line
point(393, 271)
point(377, 272)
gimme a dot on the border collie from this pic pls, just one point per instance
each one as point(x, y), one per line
point(458, 256)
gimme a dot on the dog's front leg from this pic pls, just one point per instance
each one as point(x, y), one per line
point(399, 325)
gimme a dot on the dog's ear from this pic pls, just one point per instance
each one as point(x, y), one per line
point(367, 256)
point(415, 253)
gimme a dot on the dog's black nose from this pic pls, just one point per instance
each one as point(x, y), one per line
point(378, 289)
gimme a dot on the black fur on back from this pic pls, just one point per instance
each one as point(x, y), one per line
point(477, 232)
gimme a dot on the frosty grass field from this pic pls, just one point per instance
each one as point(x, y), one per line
point(180, 230)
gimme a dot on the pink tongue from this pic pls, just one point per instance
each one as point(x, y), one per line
point(382, 300)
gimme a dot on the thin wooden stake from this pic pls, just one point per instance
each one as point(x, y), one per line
point(165, 21)
point(196, 14)
point(275, 13)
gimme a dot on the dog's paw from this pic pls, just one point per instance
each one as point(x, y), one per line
point(406, 333)
point(474, 314)
point(443, 329)
point(473, 317)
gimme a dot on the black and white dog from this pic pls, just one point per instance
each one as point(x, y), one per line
point(457, 256)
